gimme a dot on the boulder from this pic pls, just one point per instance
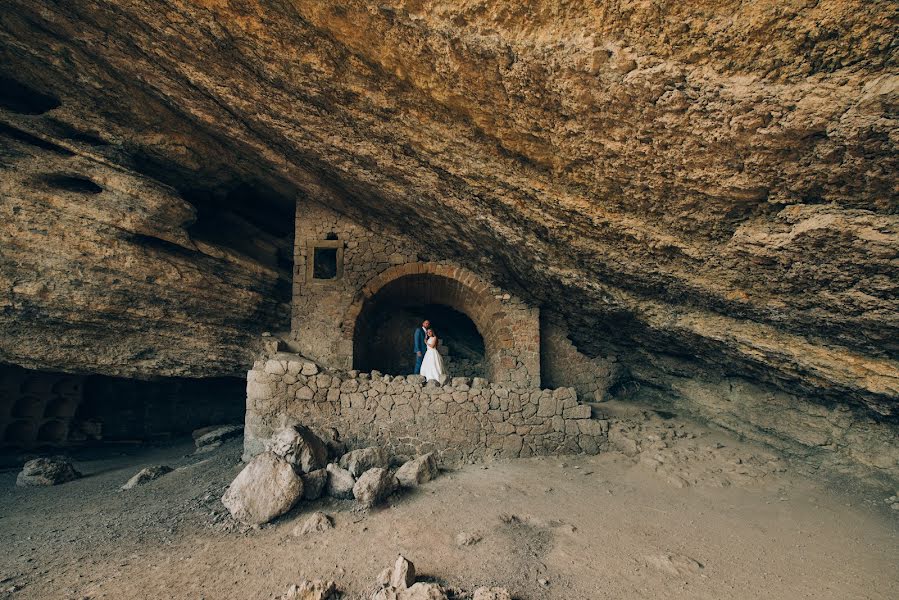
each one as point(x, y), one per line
point(491, 593)
point(214, 438)
point(374, 485)
point(266, 488)
point(300, 447)
point(47, 471)
point(146, 475)
point(358, 462)
point(418, 470)
point(316, 523)
point(314, 484)
point(340, 482)
point(316, 589)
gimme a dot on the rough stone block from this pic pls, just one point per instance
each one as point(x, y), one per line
point(581, 411)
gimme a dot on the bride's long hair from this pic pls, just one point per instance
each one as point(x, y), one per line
point(433, 335)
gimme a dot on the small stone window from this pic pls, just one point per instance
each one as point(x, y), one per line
point(324, 260)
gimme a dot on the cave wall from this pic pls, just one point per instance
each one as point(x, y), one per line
point(712, 180)
point(40, 410)
point(820, 434)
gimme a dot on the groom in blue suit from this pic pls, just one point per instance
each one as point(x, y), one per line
point(419, 345)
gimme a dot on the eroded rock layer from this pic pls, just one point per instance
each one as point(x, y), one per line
point(711, 181)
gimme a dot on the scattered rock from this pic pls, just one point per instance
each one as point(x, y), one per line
point(403, 573)
point(674, 564)
point(314, 484)
point(146, 475)
point(418, 471)
point(266, 488)
point(468, 539)
point(491, 593)
point(340, 482)
point(374, 485)
point(358, 462)
point(214, 438)
point(300, 447)
point(316, 523)
point(47, 471)
point(398, 583)
point(316, 589)
point(419, 591)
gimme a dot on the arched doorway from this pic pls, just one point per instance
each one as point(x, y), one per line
point(383, 339)
point(488, 333)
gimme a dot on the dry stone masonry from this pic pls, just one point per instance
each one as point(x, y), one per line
point(462, 421)
point(331, 310)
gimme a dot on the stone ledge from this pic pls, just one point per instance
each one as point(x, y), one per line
point(463, 420)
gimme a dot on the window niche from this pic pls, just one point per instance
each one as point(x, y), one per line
point(324, 260)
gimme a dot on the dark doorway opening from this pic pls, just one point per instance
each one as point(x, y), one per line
point(383, 339)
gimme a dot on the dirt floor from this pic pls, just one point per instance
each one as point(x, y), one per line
point(694, 515)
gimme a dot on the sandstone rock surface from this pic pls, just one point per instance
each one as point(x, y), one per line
point(266, 488)
point(674, 186)
point(47, 471)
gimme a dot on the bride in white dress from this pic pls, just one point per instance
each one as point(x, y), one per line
point(432, 364)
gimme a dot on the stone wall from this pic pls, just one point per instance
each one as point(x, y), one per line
point(563, 365)
point(378, 266)
point(463, 421)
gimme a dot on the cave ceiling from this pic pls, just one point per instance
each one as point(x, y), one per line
point(712, 180)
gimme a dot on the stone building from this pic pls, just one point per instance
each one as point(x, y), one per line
point(360, 290)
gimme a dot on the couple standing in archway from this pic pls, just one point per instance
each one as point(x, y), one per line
point(428, 361)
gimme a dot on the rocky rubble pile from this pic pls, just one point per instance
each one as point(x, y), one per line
point(685, 456)
point(395, 583)
point(298, 465)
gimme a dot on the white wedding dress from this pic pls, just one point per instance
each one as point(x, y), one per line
point(432, 365)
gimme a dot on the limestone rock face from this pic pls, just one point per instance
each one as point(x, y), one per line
point(46, 471)
point(673, 187)
point(266, 488)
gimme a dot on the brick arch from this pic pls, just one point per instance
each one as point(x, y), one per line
point(510, 330)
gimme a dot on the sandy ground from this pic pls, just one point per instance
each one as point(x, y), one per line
point(610, 526)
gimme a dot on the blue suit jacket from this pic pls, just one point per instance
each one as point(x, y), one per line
point(418, 341)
